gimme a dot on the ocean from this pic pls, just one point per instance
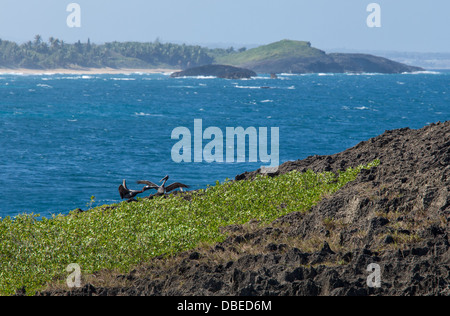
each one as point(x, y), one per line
point(66, 138)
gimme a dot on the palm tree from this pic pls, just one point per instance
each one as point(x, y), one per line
point(37, 40)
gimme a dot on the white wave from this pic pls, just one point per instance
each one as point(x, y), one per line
point(13, 73)
point(425, 72)
point(197, 77)
point(266, 101)
point(362, 108)
point(184, 87)
point(123, 79)
point(147, 114)
point(247, 87)
point(44, 86)
point(363, 74)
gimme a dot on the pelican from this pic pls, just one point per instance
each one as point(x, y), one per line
point(162, 189)
point(126, 193)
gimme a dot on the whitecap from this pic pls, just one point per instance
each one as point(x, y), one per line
point(425, 72)
point(362, 108)
point(123, 79)
point(44, 86)
point(247, 87)
point(266, 101)
point(147, 114)
point(197, 77)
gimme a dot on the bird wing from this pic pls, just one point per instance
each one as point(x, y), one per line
point(122, 192)
point(148, 183)
point(175, 186)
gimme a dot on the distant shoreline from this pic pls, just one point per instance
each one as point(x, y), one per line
point(83, 71)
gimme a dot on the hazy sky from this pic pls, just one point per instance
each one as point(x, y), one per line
point(407, 25)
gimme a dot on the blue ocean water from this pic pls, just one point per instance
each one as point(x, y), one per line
point(65, 138)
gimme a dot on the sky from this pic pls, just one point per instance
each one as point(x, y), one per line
point(406, 25)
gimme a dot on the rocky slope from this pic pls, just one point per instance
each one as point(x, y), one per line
point(396, 215)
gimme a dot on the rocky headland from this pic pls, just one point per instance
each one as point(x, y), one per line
point(395, 216)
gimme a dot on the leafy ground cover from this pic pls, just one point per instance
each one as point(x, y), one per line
point(35, 250)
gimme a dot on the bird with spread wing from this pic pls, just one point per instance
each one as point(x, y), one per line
point(163, 189)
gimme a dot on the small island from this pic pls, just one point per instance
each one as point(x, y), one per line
point(300, 57)
point(219, 71)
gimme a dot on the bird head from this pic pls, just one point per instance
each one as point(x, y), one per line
point(164, 179)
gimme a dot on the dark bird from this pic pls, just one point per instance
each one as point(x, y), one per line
point(162, 189)
point(126, 193)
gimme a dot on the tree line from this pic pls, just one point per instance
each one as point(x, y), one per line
point(55, 53)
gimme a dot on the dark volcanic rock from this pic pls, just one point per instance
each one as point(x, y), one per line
point(219, 71)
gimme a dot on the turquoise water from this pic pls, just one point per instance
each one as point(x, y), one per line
point(65, 138)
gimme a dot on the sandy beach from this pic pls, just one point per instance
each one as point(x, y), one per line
point(83, 71)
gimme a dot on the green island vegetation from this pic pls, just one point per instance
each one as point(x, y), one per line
point(273, 51)
point(35, 251)
point(55, 53)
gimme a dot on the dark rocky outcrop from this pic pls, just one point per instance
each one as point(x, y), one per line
point(331, 63)
point(219, 71)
